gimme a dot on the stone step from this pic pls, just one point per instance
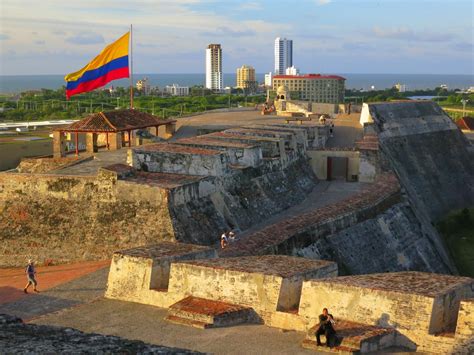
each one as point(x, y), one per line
point(341, 349)
point(188, 322)
point(208, 313)
point(362, 337)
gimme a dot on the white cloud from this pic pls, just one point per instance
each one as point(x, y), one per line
point(322, 2)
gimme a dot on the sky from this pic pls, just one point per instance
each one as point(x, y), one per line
point(329, 36)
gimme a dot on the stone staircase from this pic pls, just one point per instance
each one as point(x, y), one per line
point(202, 313)
point(353, 338)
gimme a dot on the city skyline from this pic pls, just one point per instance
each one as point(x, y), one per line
point(426, 37)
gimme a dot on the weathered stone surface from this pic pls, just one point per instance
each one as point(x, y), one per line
point(394, 240)
point(19, 338)
point(266, 283)
point(428, 152)
point(418, 305)
point(137, 274)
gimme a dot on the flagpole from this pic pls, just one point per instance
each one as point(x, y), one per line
point(131, 67)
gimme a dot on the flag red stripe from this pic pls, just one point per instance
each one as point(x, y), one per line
point(97, 83)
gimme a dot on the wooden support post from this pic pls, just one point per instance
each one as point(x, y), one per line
point(77, 143)
point(107, 140)
point(129, 139)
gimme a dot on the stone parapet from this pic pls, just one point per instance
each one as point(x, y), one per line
point(180, 159)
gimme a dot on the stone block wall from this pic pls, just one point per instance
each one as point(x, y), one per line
point(68, 218)
point(410, 302)
point(393, 240)
point(267, 284)
point(251, 289)
point(366, 305)
point(176, 159)
point(465, 328)
point(137, 274)
point(438, 177)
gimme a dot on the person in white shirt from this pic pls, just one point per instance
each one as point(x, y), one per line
point(224, 240)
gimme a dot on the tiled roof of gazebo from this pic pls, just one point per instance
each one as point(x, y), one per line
point(115, 121)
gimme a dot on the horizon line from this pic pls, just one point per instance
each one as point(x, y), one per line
point(233, 73)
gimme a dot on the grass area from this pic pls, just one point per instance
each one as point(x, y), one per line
point(457, 230)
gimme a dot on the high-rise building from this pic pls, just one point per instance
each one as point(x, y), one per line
point(214, 80)
point(246, 78)
point(283, 55)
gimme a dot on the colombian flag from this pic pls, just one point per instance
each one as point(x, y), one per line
point(110, 64)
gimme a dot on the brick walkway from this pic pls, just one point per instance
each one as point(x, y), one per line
point(12, 281)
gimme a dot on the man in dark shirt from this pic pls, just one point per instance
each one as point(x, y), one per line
point(326, 322)
point(30, 275)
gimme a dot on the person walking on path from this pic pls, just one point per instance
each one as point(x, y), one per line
point(30, 275)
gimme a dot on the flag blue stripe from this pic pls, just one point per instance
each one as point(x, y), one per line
point(89, 75)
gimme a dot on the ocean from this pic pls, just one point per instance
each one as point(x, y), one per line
point(19, 83)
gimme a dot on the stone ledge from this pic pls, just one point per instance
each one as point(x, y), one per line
point(408, 282)
point(175, 148)
point(278, 265)
point(163, 249)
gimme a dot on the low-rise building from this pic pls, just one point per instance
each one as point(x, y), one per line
point(176, 90)
point(313, 87)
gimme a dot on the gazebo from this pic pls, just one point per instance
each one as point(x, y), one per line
point(111, 130)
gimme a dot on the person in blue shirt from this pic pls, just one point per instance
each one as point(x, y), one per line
point(30, 272)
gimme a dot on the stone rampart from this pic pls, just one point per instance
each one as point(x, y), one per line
point(428, 152)
point(45, 216)
point(48, 216)
point(355, 233)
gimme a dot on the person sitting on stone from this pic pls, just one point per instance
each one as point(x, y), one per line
point(231, 237)
point(326, 327)
point(224, 240)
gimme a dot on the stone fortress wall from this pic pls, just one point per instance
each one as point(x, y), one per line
point(427, 151)
point(231, 179)
point(421, 311)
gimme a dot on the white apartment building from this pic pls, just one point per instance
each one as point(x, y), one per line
point(214, 79)
point(283, 55)
point(176, 90)
point(292, 71)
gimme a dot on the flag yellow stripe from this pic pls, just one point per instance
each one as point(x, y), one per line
point(113, 51)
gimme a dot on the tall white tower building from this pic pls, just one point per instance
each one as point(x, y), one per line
point(283, 55)
point(214, 79)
